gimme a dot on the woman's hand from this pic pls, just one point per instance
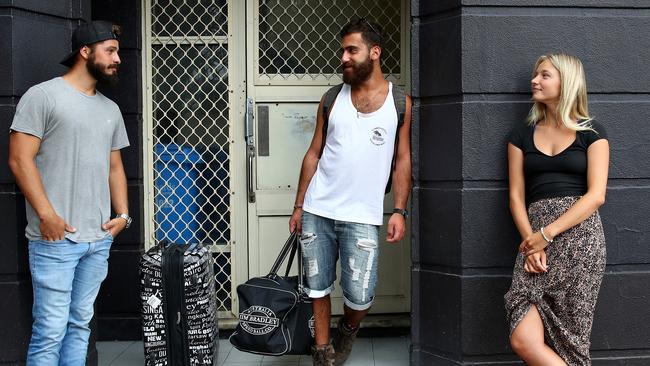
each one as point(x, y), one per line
point(532, 244)
point(536, 263)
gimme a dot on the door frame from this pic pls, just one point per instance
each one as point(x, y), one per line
point(242, 40)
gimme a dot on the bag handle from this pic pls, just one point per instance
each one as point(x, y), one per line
point(296, 250)
point(292, 255)
point(292, 249)
point(288, 245)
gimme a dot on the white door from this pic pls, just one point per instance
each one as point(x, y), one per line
point(292, 59)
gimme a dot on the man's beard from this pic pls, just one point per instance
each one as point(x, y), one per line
point(98, 72)
point(360, 72)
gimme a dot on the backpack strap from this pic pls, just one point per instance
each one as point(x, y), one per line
point(328, 101)
point(399, 98)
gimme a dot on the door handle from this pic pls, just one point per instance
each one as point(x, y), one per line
point(250, 149)
point(249, 174)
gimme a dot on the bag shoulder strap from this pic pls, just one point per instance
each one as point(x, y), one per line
point(328, 101)
point(399, 98)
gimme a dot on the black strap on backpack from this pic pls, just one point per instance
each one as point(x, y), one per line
point(399, 99)
point(328, 102)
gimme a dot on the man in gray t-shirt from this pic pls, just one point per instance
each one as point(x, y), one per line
point(64, 151)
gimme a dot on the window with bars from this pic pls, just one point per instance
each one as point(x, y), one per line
point(299, 39)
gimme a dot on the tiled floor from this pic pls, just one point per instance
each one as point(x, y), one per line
point(381, 351)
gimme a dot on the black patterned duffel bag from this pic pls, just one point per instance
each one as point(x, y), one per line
point(275, 316)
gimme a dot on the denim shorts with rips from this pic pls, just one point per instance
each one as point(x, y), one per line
point(323, 241)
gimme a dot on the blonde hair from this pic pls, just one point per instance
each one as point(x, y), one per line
point(572, 106)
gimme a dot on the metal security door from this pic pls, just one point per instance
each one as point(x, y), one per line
point(293, 57)
point(194, 143)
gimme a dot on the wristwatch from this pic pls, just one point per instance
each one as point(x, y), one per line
point(126, 217)
point(401, 211)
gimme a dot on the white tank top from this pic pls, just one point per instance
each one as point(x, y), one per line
point(350, 181)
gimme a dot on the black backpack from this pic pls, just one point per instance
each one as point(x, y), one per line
point(399, 98)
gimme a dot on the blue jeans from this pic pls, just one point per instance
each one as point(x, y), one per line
point(65, 278)
point(322, 241)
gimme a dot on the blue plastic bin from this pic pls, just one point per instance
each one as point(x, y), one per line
point(178, 199)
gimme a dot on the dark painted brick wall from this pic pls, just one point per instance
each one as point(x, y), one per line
point(471, 69)
point(34, 37)
point(118, 304)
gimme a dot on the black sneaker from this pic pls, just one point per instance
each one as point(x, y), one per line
point(322, 356)
point(342, 342)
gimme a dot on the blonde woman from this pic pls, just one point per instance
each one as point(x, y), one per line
point(557, 165)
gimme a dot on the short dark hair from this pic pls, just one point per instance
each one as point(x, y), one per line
point(370, 32)
point(117, 30)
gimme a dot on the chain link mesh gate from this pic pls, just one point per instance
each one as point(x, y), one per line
point(297, 41)
point(191, 130)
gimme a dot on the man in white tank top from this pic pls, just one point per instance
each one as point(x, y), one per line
point(339, 203)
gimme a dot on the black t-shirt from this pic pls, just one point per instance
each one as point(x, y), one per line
point(564, 174)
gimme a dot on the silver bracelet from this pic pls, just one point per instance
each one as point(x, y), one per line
point(544, 236)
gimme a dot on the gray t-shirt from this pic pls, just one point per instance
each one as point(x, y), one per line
point(78, 133)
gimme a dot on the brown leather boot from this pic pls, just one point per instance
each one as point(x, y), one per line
point(342, 342)
point(322, 356)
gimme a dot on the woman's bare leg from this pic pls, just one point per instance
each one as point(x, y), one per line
point(527, 341)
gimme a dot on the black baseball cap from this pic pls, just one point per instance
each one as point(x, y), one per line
point(89, 33)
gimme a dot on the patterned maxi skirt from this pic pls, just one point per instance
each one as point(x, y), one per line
point(566, 295)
